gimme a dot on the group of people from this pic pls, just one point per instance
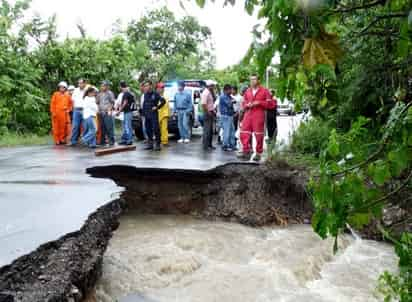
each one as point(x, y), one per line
point(248, 110)
point(86, 115)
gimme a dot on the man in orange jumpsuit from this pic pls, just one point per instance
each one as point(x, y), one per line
point(256, 101)
point(60, 107)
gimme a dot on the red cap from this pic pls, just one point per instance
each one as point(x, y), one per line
point(160, 85)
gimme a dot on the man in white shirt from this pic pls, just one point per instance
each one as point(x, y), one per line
point(236, 105)
point(77, 97)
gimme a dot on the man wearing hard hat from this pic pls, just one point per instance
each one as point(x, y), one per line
point(60, 107)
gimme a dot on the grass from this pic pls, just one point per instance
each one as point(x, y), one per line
point(12, 139)
point(307, 162)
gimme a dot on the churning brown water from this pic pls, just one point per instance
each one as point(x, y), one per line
point(183, 259)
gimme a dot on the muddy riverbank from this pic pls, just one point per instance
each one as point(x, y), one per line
point(64, 270)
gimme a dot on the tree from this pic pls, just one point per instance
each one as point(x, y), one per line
point(22, 102)
point(173, 44)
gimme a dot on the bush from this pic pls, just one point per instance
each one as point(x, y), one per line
point(311, 137)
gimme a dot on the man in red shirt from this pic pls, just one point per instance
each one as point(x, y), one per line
point(256, 101)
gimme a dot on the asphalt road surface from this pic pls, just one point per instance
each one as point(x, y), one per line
point(45, 192)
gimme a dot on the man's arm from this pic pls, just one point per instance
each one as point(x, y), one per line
point(124, 102)
point(203, 100)
point(53, 105)
point(174, 107)
point(189, 102)
point(112, 100)
point(161, 102)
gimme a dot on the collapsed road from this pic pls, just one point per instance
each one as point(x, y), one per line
point(67, 269)
point(45, 193)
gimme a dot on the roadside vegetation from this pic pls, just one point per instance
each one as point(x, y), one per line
point(350, 63)
point(13, 140)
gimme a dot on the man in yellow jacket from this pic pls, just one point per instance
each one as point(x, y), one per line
point(164, 113)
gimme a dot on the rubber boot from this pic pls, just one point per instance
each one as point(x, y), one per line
point(257, 157)
point(149, 145)
point(156, 147)
point(270, 149)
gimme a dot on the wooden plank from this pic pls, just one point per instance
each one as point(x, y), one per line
point(117, 149)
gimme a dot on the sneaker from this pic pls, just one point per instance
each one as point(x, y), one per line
point(186, 141)
point(257, 157)
point(181, 141)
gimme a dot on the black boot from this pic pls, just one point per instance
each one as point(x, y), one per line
point(156, 147)
point(149, 146)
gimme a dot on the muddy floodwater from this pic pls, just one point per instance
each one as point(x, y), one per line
point(180, 258)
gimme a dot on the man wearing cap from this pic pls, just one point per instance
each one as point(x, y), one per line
point(105, 101)
point(60, 107)
point(77, 98)
point(152, 103)
point(163, 116)
point(183, 108)
point(208, 103)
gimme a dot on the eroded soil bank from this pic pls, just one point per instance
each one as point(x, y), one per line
point(66, 269)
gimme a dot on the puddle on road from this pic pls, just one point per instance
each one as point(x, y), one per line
point(157, 258)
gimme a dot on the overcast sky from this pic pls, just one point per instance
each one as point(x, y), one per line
point(231, 26)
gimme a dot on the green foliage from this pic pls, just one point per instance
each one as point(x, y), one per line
point(12, 139)
point(399, 287)
point(174, 45)
point(113, 59)
point(22, 103)
point(311, 137)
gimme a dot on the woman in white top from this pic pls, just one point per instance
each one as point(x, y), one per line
point(89, 115)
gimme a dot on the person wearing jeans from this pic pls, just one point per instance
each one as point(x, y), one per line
point(226, 118)
point(89, 115)
point(183, 109)
point(105, 101)
point(77, 97)
point(127, 135)
point(128, 101)
point(183, 125)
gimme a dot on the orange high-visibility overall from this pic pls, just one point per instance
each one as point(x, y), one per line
point(60, 106)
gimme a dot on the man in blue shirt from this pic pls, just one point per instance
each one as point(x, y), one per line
point(183, 109)
point(227, 113)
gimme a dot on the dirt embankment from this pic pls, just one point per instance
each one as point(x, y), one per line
point(66, 269)
point(254, 195)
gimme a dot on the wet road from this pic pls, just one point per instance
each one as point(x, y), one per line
point(45, 192)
